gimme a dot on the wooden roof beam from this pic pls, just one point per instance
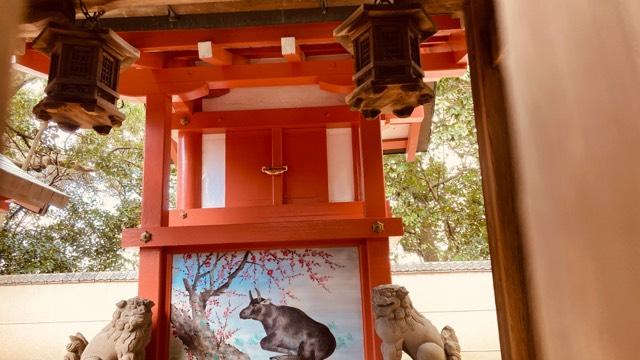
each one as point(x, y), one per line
point(246, 37)
point(217, 55)
point(191, 82)
point(394, 144)
point(264, 118)
point(150, 61)
point(254, 37)
point(158, 7)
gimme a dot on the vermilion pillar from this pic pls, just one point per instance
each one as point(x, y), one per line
point(377, 249)
point(155, 212)
point(189, 170)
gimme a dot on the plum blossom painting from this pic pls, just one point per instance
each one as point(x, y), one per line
point(280, 304)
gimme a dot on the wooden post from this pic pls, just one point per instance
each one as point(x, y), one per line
point(374, 196)
point(573, 98)
point(376, 249)
point(189, 170)
point(155, 212)
point(498, 168)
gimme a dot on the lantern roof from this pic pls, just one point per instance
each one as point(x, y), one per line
point(48, 38)
point(367, 12)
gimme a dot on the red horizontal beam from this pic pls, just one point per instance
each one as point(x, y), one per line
point(261, 214)
point(394, 144)
point(33, 61)
point(151, 61)
point(178, 81)
point(242, 37)
point(327, 73)
point(251, 37)
point(432, 62)
point(267, 118)
point(297, 231)
point(417, 116)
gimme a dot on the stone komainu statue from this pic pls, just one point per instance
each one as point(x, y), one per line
point(403, 328)
point(75, 347)
point(124, 338)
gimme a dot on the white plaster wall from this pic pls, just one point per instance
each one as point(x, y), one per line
point(463, 300)
point(35, 320)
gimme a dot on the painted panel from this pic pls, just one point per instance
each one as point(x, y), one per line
point(340, 165)
point(314, 295)
point(304, 154)
point(247, 152)
point(213, 170)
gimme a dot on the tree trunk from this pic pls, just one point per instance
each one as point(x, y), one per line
point(199, 339)
point(193, 329)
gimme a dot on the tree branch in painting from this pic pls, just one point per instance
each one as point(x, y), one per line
point(201, 320)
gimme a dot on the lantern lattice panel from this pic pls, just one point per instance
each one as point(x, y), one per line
point(385, 40)
point(83, 76)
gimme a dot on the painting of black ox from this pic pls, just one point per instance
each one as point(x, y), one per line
point(304, 319)
point(290, 331)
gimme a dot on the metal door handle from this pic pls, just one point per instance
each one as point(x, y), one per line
point(274, 171)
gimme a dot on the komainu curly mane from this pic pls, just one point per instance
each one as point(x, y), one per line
point(130, 326)
point(402, 328)
point(126, 336)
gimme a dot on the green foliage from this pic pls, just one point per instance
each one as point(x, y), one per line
point(439, 195)
point(101, 174)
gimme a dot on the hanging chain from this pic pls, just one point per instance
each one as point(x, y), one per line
point(93, 20)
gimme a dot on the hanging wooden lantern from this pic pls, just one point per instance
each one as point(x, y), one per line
point(83, 76)
point(385, 40)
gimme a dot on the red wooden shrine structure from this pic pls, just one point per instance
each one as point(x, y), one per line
point(267, 153)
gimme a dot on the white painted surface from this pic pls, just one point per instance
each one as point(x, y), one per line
point(213, 170)
point(340, 165)
point(35, 320)
point(288, 45)
point(394, 131)
point(205, 49)
point(273, 97)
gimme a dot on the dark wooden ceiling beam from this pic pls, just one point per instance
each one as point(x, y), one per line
point(181, 7)
point(140, 15)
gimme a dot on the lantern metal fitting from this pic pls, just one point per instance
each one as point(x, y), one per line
point(83, 76)
point(385, 40)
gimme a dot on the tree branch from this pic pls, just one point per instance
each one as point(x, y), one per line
point(122, 149)
point(211, 292)
point(452, 177)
